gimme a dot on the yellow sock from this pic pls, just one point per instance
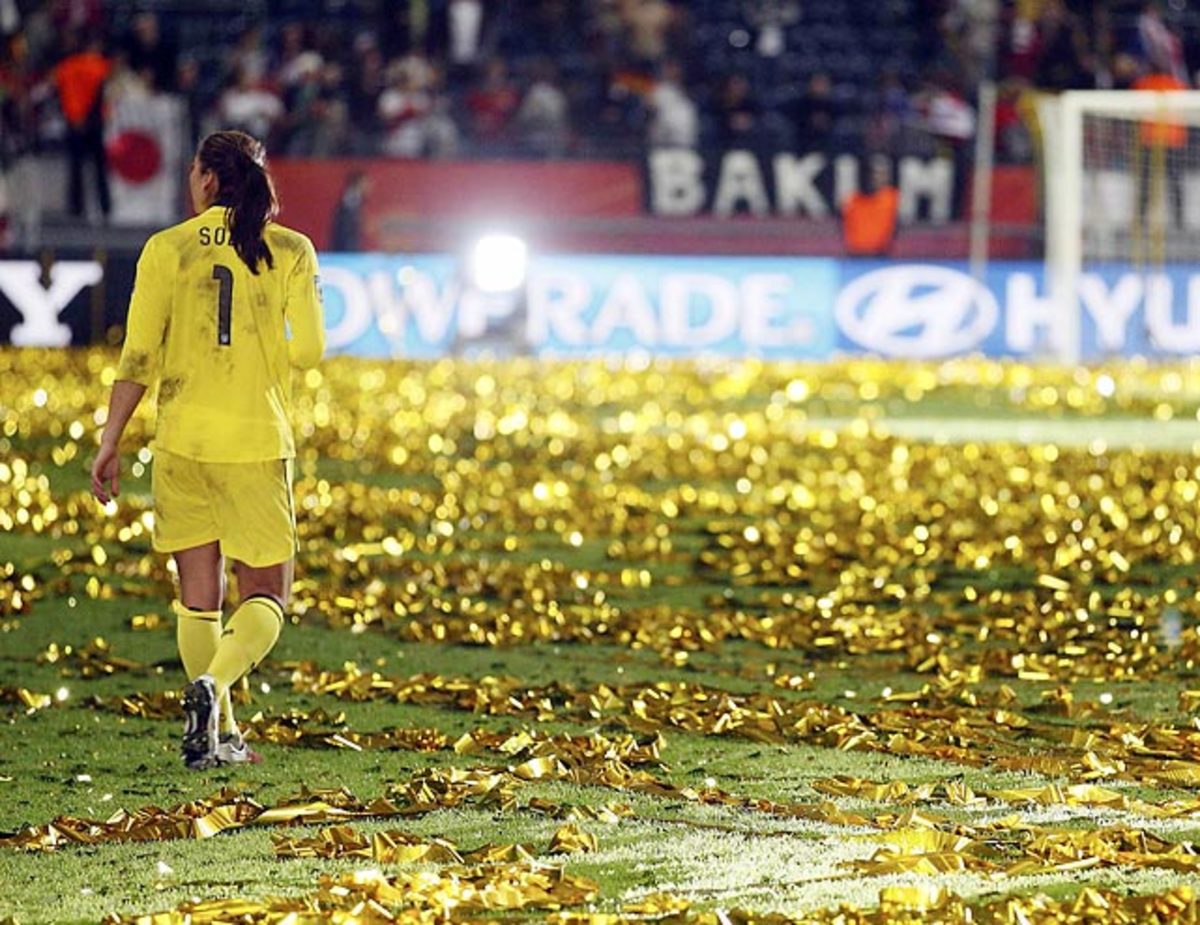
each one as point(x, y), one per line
point(197, 633)
point(248, 637)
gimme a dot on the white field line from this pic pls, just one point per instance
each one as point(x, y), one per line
point(798, 875)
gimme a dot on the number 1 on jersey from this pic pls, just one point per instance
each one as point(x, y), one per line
point(224, 277)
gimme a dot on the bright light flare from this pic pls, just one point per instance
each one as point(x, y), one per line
point(498, 263)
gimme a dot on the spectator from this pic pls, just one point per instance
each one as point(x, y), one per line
point(77, 17)
point(250, 107)
point(1125, 71)
point(674, 119)
point(441, 131)
point(17, 83)
point(612, 56)
point(318, 114)
point(187, 84)
point(1021, 46)
point(248, 56)
point(887, 120)
point(464, 26)
point(1161, 48)
point(950, 121)
point(543, 118)
point(771, 18)
point(297, 59)
point(1013, 141)
point(366, 85)
point(296, 80)
point(404, 26)
point(149, 54)
point(869, 217)
point(403, 107)
point(738, 114)
point(1063, 60)
point(123, 82)
point(968, 28)
point(647, 24)
point(618, 117)
point(80, 79)
point(605, 30)
point(816, 114)
point(555, 25)
point(346, 234)
point(946, 113)
point(492, 106)
point(10, 18)
point(17, 139)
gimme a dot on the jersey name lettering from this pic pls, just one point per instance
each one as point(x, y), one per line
point(214, 235)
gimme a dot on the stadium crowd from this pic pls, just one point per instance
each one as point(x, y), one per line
point(573, 78)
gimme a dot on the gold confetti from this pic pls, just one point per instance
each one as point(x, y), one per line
point(657, 906)
point(94, 659)
point(460, 894)
point(971, 566)
point(1189, 701)
point(144, 622)
point(960, 726)
point(454, 893)
point(29, 701)
point(570, 839)
point(389, 847)
point(895, 900)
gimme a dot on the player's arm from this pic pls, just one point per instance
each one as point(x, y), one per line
point(149, 308)
point(106, 470)
point(303, 311)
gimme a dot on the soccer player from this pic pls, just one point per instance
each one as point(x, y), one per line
point(224, 305)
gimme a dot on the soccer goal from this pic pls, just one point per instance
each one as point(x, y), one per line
point(1121, 180)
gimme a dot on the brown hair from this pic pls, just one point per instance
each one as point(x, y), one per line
point(245, 188)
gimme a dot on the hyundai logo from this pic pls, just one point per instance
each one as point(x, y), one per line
point(916, 310)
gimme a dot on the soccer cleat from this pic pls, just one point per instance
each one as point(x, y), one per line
point(232, 749)
point(200, 717)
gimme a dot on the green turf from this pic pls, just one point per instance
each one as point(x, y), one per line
point(72, 759)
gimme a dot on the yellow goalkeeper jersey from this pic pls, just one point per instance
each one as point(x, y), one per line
point(222, 341)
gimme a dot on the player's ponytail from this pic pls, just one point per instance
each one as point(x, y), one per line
point(244, 187)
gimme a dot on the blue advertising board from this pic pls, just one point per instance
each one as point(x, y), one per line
point(784, 308)
point(421, 306)
point(925, 310)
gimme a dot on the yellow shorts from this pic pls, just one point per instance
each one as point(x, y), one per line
point(246, 507)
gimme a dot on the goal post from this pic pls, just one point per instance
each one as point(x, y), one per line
point(1120, 170)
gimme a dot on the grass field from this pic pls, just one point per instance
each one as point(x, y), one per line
point(664, 642)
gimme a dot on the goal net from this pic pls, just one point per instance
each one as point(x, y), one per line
point(1121, 175)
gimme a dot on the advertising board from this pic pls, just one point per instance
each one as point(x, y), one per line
point(424, 306)
point(785, 308)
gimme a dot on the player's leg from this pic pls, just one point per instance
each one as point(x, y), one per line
point(258, 532)
point(198, 615)
point(198, 609)
point(254, 628)
point(184, 528)
point(248, 637)
point(198, 631)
